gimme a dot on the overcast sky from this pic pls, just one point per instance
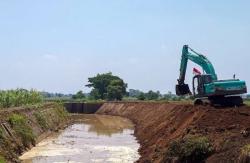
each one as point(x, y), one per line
point(56, 45)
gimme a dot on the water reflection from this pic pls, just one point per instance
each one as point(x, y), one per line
point(107, 125)
point(96, 139)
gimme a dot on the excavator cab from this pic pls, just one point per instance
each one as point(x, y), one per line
point(198, 84)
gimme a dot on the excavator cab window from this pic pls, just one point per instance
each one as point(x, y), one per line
point(195, 86)
point(198, 84)
point(207, 79)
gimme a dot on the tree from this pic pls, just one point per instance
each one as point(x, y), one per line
point(168, 96)
point(151, 95)
point(141, 96)
point(107, 86)
point(115, 91)
point(78, 95)
point(134, 93)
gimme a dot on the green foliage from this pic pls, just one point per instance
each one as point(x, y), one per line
point(20, 125)
point(2, 160)
point(116, 90)
point(60, 111)
point(150, 95)
point(141, 96)
point(107, 86)
point(41, 120)
point(78, 95)
point(247, 102)
point(94, 94)
point(190, 149)
point(134, 93)
point(19, 97)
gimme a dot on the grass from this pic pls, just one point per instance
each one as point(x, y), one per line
point(2, 160)
point(19, 97)
point(20, 125)
point(247, 102)
point(41, 120)
point(60, 111)
point(190, 149)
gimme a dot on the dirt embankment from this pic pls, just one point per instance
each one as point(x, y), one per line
point(21, 128)
point(157, 124)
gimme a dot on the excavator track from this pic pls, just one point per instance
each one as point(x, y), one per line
point(224, 101)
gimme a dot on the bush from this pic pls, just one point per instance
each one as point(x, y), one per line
point(141, 96)
point(19, 97)
point(41, 120)
point(22, 129)
point(190, 149)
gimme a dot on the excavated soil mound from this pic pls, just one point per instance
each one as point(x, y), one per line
point(157, 124)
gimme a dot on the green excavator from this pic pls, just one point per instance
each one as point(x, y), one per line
point(207, 89)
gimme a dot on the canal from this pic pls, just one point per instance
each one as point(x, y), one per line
point(96, 138)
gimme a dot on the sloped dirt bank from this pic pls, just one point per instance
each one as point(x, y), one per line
point(158, 124)
point(22, 127)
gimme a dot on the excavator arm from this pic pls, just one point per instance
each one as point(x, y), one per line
point(201, 60)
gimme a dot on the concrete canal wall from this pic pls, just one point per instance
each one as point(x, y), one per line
point(81, 107)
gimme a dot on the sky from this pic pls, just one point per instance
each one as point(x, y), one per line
point(56, 45)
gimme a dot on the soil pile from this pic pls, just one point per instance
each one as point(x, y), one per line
point(158, 124)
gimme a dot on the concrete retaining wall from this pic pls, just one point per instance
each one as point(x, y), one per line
point(80, 107)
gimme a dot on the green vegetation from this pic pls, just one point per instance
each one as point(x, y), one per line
point(153, 96)
point(60, 111)
point(116, 89)
point(141, 96)
point(79, 95)
point(2, 160)
point(19, 97)
point(247, 102)
point(41, 120)
point(20, 125)
point(107, 86)
point(190, 149)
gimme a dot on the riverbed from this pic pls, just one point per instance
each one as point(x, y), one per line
point(96, 138)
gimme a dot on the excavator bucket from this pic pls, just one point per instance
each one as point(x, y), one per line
point(182, 89)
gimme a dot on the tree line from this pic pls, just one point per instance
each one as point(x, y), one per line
point(110, 87)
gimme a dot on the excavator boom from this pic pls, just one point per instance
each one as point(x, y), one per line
point(201, 60)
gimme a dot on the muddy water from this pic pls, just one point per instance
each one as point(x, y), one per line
point(96, 138)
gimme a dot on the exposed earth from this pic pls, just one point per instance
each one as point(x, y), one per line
point(158, 124)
